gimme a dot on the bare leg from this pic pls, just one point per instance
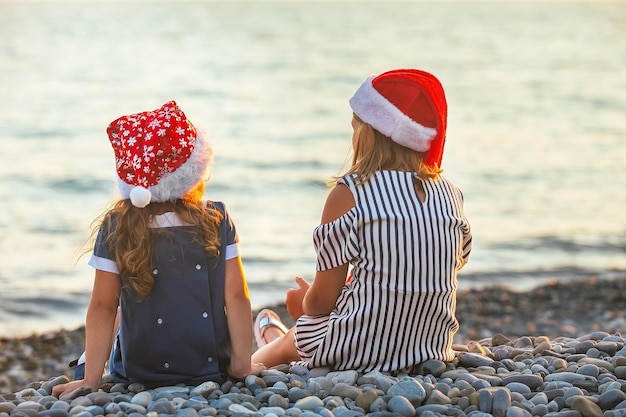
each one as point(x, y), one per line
point(279, 351)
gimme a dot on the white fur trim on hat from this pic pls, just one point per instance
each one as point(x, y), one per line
point(176, 184)
point(374, 109)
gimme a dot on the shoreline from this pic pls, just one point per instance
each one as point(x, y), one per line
point(555, 310)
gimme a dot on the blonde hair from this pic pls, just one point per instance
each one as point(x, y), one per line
point(130, 238)
point(372, 151)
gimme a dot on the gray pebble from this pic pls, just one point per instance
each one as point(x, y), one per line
point(222, 403)
point(485, 400)
point(378, 405)
point(271, 377)
point(135, 387)
point(616, 413)
point(333, 401)
point(551, 394)
point(345, 390)
point(593, 352)
point(621, 352)
point(620, 372)
point(343, 411)
point(318, 384)
point(409, 388)
point(309, 414)
point(556, 404)
point(205, 389)
point(570, 377)
point(272, 411)
point(238, 408)
point(608, 347)
point(309, 403)
point(433, 367)
point(433, 408)
point(280, 390)
point(518, 387)
point(128, 407)
point(323, 412)
point(112, 408)
point(539, 398)
point(473, 360)
point(600, 363)
point(53, 413)
point(81, 414)
point(501, 402)
point(516, 411)
point(95, 410)
point(161, 407)
point(186, 412)
point(480, 384)
point(318, 372)
point(346, 377)
point(540, 410)
point(142, 398)
point(609, 399)
point(438, 397)
point(29, 405)
point(401, 405)
point(276, 400)
point(530, 380)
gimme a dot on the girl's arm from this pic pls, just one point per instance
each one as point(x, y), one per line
point(323, 293)
point(99, 327)
point(239, 316)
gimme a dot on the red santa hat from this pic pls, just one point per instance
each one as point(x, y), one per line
point(407, 105)
point(159, 155)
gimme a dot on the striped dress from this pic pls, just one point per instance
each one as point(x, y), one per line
point(398, 308)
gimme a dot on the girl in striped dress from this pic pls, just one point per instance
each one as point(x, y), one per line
point(393, 236)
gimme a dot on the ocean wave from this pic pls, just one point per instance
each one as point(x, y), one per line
point(614, 243)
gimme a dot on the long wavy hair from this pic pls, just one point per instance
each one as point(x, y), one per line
point(372, 151)
point(130, 238)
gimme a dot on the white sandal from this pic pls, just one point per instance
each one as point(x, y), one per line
point(265, 319)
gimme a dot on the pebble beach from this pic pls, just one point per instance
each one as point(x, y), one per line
point(555, 351)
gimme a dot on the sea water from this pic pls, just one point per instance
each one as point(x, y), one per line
point(536, 92)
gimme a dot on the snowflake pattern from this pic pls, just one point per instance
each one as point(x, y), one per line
point(150, 145)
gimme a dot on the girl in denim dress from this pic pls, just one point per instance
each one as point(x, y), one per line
point(167, 266)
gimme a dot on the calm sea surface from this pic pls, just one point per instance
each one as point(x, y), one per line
point(537, 128)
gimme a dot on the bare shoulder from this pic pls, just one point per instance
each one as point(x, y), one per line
point(339, 201)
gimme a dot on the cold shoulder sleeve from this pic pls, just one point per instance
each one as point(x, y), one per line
point(336, 243)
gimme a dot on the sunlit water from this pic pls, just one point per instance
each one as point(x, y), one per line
point(537, 98)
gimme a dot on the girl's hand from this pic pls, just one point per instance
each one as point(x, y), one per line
point(62, 389)
point(294, 297)
point(257, 368)
point(240, 373)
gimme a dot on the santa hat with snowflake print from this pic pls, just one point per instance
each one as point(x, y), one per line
point(159, 155)
point(407, 105)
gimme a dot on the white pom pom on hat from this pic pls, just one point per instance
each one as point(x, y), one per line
point(159, 155)
point(140, 196)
